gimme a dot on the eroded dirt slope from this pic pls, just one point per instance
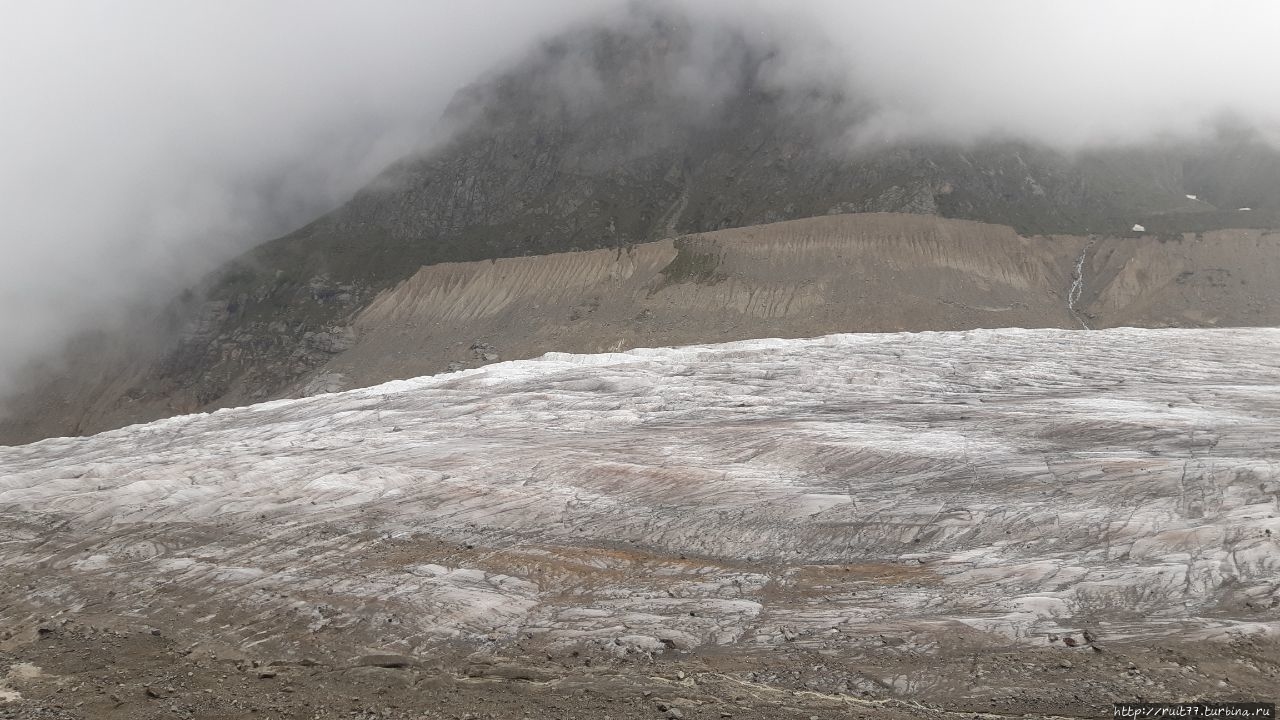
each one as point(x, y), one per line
point(852, 273)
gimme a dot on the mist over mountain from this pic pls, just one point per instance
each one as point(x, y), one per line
point(146, 143)
point(588, 126)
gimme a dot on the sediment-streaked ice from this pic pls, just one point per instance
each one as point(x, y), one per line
point(1001, 485)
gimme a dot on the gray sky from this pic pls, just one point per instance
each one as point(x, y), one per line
point(142, 142)
point(1070, 73)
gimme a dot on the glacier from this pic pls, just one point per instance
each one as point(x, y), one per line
point(998, 488)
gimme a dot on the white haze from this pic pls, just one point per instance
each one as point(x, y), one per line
point(143, 142)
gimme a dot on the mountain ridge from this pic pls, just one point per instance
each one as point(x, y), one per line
point(651, 128)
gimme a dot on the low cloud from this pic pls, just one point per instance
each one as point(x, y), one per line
point(143, 142)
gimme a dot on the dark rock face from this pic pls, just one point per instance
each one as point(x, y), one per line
point(652, 128)
point(657, 129)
